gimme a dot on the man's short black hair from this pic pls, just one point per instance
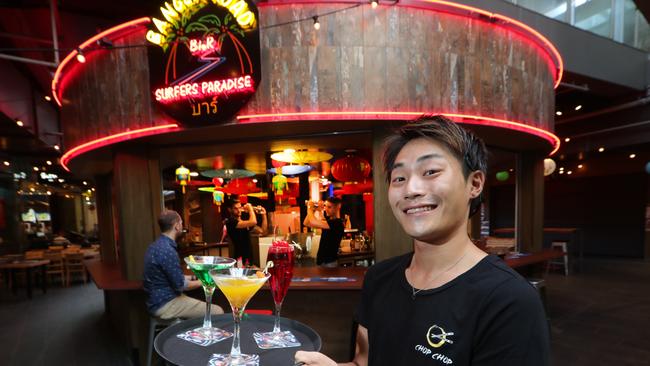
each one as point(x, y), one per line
point(167, 220)
point(334, 200)
point(231, 203)
point(467, 148)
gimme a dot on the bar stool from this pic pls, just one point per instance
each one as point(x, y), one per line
point(157, 324)
point(564, 261)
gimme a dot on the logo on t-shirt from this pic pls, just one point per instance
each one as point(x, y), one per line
point(437, 337)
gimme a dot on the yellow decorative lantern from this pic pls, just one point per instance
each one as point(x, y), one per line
point(182, 176)
point(217, 197)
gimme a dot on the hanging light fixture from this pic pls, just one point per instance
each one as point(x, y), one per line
point(316, 23)
point(351, 168)
point(374, 4)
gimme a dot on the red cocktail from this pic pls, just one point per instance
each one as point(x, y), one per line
point(282, 256)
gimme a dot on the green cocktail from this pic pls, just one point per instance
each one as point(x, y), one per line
point(201, 266)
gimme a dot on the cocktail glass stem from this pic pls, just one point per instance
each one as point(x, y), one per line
point(276, 326)
point(207, 319)
point(235, 351)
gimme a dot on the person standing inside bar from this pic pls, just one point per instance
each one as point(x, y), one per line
point(447, 302)
point(163, 279)
point(332, 226)
point(238, 228)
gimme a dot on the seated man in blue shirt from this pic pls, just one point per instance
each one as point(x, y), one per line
point(163, 278)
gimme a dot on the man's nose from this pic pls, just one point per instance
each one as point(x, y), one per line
point(414, 188)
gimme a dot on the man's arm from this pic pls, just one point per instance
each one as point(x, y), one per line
point(170, 265)
point(265, 224)
point(252, 220)
point(312, 221)
point(319, 359)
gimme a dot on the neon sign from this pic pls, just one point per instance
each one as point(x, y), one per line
point(208, 64)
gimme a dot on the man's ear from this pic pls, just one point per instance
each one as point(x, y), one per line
point(477, 181)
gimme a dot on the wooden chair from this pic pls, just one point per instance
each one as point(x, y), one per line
point(56, 266)
point(74, 264)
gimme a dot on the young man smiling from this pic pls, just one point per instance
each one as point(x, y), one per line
point(447, 302)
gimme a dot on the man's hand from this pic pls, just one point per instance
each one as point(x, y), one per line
point(313, 359)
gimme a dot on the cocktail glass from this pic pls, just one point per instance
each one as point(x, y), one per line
point(239, 285)
point(281, 274)
point(201, 266)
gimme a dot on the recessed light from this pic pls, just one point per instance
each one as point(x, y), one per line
point(578, 107)
point(19, 123)
point(569, 172)
point(48, 162)
point(194, 174)
point(6, 163)
point(35, 168)
point(601, 149)
point(567, 139)
point(558, 113)
point(580, 166)
point(632, 156)
point(561, 172)
point(84, 183)
point(57, 147)
point(48, 98)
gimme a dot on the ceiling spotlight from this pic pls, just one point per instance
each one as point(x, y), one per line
point(561, 171)
point(35, 168)
point(580, 166)
point(80, 56)
point(6, 163)
point(578, 107)
point(316, 23)
point(601, 149)
point(84, 183)
point(374, 4)
point(61, 180)
point(49, 193)
point(254, 180)
point(48, 98)
point(632, 156)
point(194, 174)
point(57, 147)
point(569, 172)
point(567, 139)
point(19, 123)
point(48, 162)
point(558, 113)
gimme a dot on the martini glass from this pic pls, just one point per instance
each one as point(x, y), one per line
point(201, 266)
point(239, 285)
point(281, 274)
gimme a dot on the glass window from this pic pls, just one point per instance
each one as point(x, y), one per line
point(643, 34)
point(556, 9)
point(594, 16)
point(629, 20)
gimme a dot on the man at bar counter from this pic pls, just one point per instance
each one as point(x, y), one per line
point(447, 302)
point(332, 229)
point(163, 278)
point(238, 228)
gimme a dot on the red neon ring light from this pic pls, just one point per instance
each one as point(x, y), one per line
point(462, 118)
point(112, 139)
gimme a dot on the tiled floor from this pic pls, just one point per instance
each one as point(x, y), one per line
point(600, 317)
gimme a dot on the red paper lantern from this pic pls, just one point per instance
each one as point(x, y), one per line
point(351, 169)
point(277, 164)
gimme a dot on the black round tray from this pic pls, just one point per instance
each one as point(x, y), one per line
point(180, 352)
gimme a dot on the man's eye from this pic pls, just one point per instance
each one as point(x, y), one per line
point(397, 180)
point(430, 172)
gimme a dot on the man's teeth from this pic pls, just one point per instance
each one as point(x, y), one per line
point(420, 209)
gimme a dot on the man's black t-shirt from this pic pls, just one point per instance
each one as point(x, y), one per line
point(241, 240)
point(330, 241)
point(488, 315)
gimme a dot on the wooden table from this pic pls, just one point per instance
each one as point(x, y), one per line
point(27, 266)
point(573, 235)
point(533, 258)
